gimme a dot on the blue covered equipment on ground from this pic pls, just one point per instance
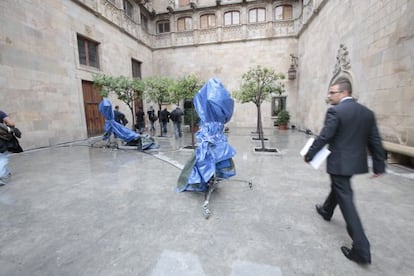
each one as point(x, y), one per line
point(213, 155)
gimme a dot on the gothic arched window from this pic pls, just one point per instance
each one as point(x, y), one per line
point(163, 26)
point(257, 15)
point(207, 21)
point(184, 24)
point(283, 12)
point(232, 18)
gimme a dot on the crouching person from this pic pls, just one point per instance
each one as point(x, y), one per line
point(8, 143)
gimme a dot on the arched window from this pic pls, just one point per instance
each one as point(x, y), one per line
point(163, 26)
point(128, 8)
point(207, 21)
point(184, 24)
point(183, 3)
point(257, 15)
point(232, 18)
point(283, 12)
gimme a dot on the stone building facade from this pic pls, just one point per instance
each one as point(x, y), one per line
point(44, 75)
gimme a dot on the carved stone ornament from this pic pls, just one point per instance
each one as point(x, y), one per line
point(343, 62)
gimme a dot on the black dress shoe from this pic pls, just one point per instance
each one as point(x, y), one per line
point(353, 256)
point(322, 212)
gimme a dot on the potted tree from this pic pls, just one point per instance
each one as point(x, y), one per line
point(283, 119)
point(257, 85)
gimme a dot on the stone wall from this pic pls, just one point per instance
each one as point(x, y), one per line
point(379, 36)
point(40, 75)
point(228, 62)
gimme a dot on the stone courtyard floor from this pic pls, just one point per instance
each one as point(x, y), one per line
point(83, 209)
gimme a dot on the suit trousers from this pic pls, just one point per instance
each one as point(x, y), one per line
point(341, 194)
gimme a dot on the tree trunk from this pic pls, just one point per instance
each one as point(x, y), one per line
point(259, 119)
point(258, 122)
point(133, 116)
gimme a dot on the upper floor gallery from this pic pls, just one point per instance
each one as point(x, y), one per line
point(178, 23)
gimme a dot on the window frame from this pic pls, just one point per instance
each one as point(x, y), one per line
point(128, 8)
point(144, 21)
point(187, 19)
point(183, 3)
point(163, 23)
point(257, 10)
point(278, 104)
point(232, 13)
point(208, 26)
point(284, 10)
point(136, 68)
point(87, 43)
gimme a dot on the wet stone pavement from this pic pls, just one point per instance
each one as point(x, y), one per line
point(84, 209)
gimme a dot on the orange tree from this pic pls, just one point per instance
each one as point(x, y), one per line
point(127, 90)
point(257, 85)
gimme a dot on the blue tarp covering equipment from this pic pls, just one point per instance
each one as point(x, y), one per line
point(124, 133)
point(213, 155)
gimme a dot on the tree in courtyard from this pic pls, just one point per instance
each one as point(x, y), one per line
point(127, 90)
point(185, 89)
point(257, 84)
point(158, 89)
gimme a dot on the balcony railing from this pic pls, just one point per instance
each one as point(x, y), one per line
point(218, 34)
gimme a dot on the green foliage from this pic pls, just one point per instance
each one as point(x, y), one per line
point(105, 84)
point(283, 117)
point(258, 83)
point(127, 90)
point(185, 88)
point(158, 89)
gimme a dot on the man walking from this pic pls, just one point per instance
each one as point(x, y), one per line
point(350, 129)
point(164, 117)
point(140, 125)
point(176, 117)
point(152, 118)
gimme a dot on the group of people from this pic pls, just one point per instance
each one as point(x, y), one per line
point(163, 116)
point(349, 129)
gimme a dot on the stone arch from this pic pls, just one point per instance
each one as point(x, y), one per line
point(343, 69)
point(350, 76)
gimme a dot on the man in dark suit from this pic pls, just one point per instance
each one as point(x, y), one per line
point(350, 129)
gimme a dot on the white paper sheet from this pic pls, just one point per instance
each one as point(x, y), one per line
point(319, 157)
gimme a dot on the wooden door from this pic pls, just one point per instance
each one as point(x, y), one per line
point(95, 121)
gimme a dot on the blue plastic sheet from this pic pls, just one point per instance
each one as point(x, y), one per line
point(105, 108)
point(213, 156)
point(124, 133)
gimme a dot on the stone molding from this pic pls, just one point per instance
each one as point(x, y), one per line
point(342, 68)
point(219, 34)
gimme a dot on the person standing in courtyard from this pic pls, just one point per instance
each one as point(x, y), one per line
point(176, 117)
point(152, 118)
point(140, 125)
point(350, 130)
point(8, 142)
point(164, 118)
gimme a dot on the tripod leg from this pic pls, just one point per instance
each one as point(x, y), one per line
point(211, 185)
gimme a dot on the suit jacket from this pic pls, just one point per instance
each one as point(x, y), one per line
point(350, 129)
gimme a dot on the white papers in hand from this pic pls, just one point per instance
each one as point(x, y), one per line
point(319, 157)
